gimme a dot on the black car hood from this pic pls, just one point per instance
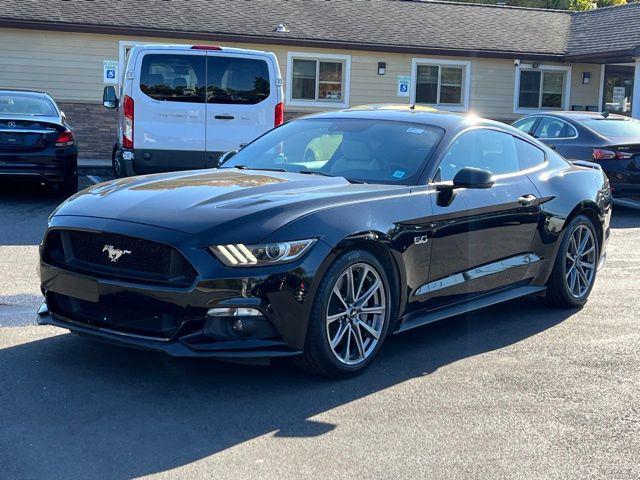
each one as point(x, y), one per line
point(222, 205)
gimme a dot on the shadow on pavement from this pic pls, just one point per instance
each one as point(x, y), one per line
point(73, 408)
point(623, 217)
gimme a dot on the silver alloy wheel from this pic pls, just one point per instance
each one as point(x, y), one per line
point(580, 261)
point(356, 314)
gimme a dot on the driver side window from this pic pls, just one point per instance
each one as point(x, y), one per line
point(482, 148)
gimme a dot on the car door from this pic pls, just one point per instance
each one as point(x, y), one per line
point(556, 133)
point(169, 125)
point(241, 100)
point(482, 238)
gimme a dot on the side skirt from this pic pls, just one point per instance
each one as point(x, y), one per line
point(467, 306)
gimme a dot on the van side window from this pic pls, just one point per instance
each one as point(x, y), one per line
point(234, 80)
point(173, 78)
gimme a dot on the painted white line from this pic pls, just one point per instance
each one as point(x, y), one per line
point(95, 178)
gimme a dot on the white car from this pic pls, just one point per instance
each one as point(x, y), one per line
point(182, 107)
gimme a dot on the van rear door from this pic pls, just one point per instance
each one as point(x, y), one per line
point(242, 95)
point(170, 110)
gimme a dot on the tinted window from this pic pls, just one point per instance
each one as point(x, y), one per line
point(372, 151)
point(174, 78)
point(615, 128)
point(237, 80)
point(24, 104)
point(526, 124)
point(529, 156)
point(486, 149)
point(554, 128)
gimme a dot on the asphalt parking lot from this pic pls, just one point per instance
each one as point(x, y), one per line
point(515, 391)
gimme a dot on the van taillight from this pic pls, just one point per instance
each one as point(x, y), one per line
point(65, 139)
point(127, 134)
point(279, 114)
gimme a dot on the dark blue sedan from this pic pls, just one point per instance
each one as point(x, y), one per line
point(611, 140)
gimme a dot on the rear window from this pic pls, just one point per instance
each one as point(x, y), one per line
point(199, 78)
point(614, 128)
point(237, 80)
point(174, 78)
point(15, 103)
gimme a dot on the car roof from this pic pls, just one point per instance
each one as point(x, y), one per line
point(34, 93)
point(413, 114)
point(579, 116)
point(198, 47)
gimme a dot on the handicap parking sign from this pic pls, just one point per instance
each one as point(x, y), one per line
point(110, 71)
point(403, 85)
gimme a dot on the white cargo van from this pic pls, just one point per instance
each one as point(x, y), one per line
point(181, 107)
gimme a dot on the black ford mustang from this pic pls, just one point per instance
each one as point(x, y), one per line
point(36, 143)
point(325, 235)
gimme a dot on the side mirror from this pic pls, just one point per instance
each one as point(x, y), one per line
point(226, 156)
point(470, 177)
point(109, 97)
point(63, 116)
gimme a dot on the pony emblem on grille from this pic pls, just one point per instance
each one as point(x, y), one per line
point(114, 253)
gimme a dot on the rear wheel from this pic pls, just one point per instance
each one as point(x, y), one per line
point(350, 317)
point(574, 270)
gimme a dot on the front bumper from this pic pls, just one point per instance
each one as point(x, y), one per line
point(282, 294)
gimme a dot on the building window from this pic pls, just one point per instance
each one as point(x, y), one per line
point(318, 80)
point(542, 88)
point(442, 83)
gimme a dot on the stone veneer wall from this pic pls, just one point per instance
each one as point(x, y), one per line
point(95, 128)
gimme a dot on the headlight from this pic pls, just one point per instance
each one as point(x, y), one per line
point(241, 255)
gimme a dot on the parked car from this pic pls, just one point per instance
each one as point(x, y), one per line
point(612, 141)
point(36, 143)
point(181, 107)
point(402, 218)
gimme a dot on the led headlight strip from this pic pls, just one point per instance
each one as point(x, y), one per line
point(241, 255)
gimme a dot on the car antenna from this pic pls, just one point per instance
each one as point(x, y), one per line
point(605, 113)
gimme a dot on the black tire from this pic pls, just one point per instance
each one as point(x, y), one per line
point(117, 163)
point(558, 289)
point(318, 357)
point(69, 186)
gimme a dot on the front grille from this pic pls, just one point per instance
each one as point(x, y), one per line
point(117, 256)
point(126, 313)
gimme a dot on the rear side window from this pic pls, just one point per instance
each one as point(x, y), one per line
point(529, 156)
point(174, 78)
point(237, 80)
point(526, 124)
point(554, 128)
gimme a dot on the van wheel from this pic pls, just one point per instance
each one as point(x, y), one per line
point(116, 162)
point(350, 317)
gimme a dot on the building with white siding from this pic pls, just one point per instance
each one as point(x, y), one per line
point(499, 62)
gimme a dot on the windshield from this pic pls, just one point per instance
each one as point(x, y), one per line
point(371, 151)
point(615, 128)
point(16, 103)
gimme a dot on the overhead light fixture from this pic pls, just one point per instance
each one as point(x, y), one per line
point(382, 68)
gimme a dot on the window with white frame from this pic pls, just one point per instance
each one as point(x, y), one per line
point(318, 79)
point(542, 88)
point(441, 82)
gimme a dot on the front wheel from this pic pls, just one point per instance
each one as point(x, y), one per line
point(574, 270)
point(350, 317)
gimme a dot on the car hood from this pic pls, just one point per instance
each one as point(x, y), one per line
point(222, 205)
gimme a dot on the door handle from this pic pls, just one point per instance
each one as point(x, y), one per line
point(527, 200)
point(224, 117)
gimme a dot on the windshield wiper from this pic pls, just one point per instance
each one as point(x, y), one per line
point(247, 167)
point(314, 172)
